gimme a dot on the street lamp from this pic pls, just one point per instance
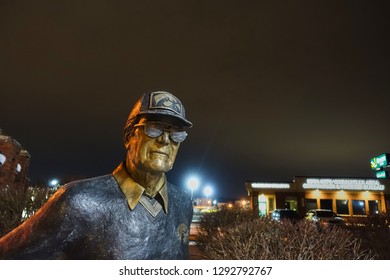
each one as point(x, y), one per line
point(208, 191)
point(53, 183)
point(193, 184)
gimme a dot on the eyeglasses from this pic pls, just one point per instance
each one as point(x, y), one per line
point(155, 129)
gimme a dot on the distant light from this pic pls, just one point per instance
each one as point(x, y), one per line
point(208, 190)
point(343, 184)
point(53, 183)
point(214, 202)
point(270, 185)
point(193, 183)
point(262, 198)
point(2, 159)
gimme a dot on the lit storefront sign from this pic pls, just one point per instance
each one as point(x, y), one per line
point(270, 186)
point(381, 174)
point(343, 184)
point(380, 161)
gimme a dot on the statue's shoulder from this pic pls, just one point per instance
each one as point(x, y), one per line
point(181, 196)
point(183, 192)
point(89, 194)
point(91, 185)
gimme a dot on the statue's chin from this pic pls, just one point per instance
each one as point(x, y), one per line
point(160, 165)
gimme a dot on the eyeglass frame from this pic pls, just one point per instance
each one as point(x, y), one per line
point(163, 129)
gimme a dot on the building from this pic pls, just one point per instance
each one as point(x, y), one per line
point(14, 163)
point(348, 197)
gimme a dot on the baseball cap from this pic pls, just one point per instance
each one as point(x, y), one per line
point(158, 105)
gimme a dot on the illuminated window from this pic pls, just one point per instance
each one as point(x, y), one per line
point(262, 203)
point(373, 207)
point(2, 159)
point(271, 203)
point(342, 207)
point(291, 204)
point(326, 204)
point(358, 207)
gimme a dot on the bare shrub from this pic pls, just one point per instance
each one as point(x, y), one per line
point(376, 238)
point(374, 232)
point(380, 220)
point(216, 221)
point(34, 199)
point(16, 205)
point(11, 207)
point(224, 218)
point(257, 239)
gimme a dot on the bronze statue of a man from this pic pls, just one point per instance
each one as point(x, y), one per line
point(133, 213)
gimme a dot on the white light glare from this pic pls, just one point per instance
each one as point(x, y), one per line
point(208, 190)
point(193, 183)
point(53, 182)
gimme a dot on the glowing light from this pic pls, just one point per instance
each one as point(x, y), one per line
point(193, 183)
point(53, 183)
point(380, 161)
point(343, 184)
point(208, 190)
point(244, 203)
point(2, 159)
point(270, 186)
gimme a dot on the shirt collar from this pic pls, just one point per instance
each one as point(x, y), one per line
point(133, 191)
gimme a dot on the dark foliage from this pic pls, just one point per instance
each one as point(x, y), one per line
point(233, 235)
point(16, 205)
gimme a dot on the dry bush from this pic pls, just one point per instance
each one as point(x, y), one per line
point(11, 207)
point(257, 239)
point(35, 197)
point(223, 218)
point(381, 220)
point(374, 232)
point(16, 205)
point(376, 238)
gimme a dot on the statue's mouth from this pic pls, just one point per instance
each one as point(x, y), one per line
point(160, 153)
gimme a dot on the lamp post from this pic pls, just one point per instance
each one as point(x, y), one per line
point(193, 184)
point(208, 190)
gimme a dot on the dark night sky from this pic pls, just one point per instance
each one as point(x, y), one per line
point(274, 89)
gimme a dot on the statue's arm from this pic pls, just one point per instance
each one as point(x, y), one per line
point(49, 234)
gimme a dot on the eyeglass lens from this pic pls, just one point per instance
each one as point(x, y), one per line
point(155, 130)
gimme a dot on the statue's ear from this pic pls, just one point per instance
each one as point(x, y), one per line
point(126, 137)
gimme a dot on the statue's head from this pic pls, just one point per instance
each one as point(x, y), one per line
point(154, 130)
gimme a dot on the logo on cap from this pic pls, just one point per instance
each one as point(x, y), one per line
point(165, 100)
